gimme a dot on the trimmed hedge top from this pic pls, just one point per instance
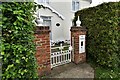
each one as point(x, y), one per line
point(103, 38)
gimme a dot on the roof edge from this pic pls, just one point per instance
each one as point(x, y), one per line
point(53, 10)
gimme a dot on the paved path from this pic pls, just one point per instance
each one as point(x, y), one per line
point(72, 70)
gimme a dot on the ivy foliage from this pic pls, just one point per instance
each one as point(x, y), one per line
point(0, 40)
point(17, 40)
point(103, 37)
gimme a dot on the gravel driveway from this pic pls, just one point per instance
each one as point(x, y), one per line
point(72, 70)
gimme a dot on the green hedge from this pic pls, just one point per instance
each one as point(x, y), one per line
point(0, 39)
point(103, 37)
point(17, 41)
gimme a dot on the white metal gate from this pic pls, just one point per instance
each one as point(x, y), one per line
point(60, 57)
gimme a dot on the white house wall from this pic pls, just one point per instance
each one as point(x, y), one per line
point(84, 4)
point(65, 8)
point(57, 32)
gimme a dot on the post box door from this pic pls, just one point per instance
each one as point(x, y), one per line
point(81, 43)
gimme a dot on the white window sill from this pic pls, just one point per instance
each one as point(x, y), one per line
point(73, 11)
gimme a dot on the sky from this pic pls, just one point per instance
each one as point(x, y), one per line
point(96, 2)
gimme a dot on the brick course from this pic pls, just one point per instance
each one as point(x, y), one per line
point(42, 40)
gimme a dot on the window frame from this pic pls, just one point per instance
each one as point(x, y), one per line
point(49, 19)
point(44, 1)
point(74, 6)
point(46, 18)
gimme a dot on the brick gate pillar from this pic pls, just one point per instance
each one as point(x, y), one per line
point(78, 44)
point(42, 40)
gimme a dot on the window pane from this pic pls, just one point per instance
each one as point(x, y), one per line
point(73, 5)
point(47, 22)
point(47, 1)
point(77, 6)
point(46, 18)
point(41, 1)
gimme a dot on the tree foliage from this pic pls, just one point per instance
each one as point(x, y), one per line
point(17, 40)
point(103, 38)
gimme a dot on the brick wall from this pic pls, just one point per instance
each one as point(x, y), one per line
point(75, 32)
point(42, 40)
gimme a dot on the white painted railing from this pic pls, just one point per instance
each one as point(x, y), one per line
point(59, 47)
point(61, 57)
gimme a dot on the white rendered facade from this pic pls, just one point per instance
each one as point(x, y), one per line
point(58, 14)
point(61, 13)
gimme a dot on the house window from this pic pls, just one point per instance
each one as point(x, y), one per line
point(75, 5)
point(43, 1)
point(47, 22)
